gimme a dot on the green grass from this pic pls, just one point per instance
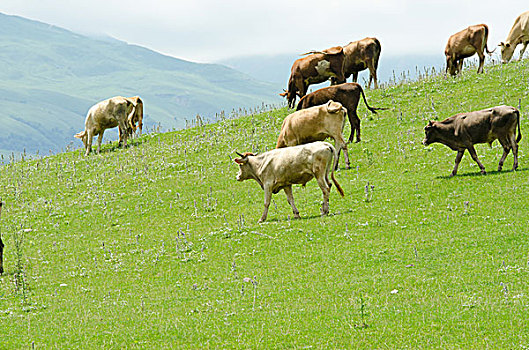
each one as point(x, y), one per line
point(158, 246)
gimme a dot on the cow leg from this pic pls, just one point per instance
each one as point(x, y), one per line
point(514, 146)
point(99, 140)
point(459, 66)
point(88, 145)
point(372, 74)
point(522, 51)
point(506, 144)
point(355, 77)
point(325, 188)
point(474, 156)
point(267, 199)
point(458, 160)
point(481, 61)
point(1, 256)
point(355, 125)
point(290, 199)
point(340, 144)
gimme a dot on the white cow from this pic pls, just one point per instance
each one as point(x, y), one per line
point(519, 34)
point(116, 111)
point(281, 168)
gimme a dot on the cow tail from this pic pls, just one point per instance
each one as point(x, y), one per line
point(377, 57)
point(372, 109)
point(485, 39)
point(519, 131)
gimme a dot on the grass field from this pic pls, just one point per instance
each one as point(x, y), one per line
point(158, 246)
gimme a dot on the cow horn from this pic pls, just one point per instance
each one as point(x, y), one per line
point(312, 52)
point(240, 155)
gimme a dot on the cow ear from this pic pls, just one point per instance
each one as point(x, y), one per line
point(333, 107)
point(501, 44)
point(283, 94)
point(241, 161)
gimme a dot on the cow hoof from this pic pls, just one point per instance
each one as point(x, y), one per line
point(296, 216)
point(453, 174)
point(499, 168)
point(347, 167)
point(483, 172)
point(261, 220)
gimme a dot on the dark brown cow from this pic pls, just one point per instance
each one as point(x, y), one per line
point(317, 67)
point(360, 55)
point(347, 94)
point(464, 44)
point(462, 131)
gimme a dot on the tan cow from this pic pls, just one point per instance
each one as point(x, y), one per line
point(462, 131)
point(315, 124)
point(317, 67)
point(519, 34)
point(465, 44)
point(279, 169)
point(116, 111)
point(360, 55)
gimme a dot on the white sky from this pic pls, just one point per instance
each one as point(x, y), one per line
point(209, 30)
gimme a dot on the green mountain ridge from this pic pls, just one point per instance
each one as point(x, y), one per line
point(50, 77)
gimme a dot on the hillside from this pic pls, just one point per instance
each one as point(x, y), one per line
point(50, 77)
point(158, 246)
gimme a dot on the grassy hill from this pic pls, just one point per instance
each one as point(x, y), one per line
point(50, 77)
point(158, 246)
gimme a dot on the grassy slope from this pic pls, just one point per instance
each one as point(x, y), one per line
point(158, 245)
point(51, 77)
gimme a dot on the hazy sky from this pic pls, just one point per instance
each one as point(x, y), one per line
point(209, 30)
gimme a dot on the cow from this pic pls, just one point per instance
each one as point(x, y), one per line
point(315, 124)
point(347, 94)
point(360, 55)
point(281, 168)
point(317, 67)
point(519, 34)
point(462, 131)
point(465, 44)
point(116, 111)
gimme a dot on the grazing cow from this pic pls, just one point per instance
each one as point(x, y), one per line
point(1, 246)
point(315, 124)
point(462, 131)
point(116, 111)
point(360, 55)
point(347, 94)
point(317, 67)
point(519, 34)
point(464, 44)
point(279, 169)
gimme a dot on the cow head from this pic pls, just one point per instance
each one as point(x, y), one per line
point(451, 65)
point(334, 107)
point(430, 131)
point(245, 169)
point(507, 50)
point(290, 96)
point(137, 118)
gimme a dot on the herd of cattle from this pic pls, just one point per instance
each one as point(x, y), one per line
point(301, 154)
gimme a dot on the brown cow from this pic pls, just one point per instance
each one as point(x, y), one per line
point(519, 34)
point(464, 44)
point(279, 169)
point(360, 55)
point(315, 124)
point(462, 131)
point(347, 94)
point(315, 68)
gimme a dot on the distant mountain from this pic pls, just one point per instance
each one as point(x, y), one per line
point(276, 68)
point(50, 77)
